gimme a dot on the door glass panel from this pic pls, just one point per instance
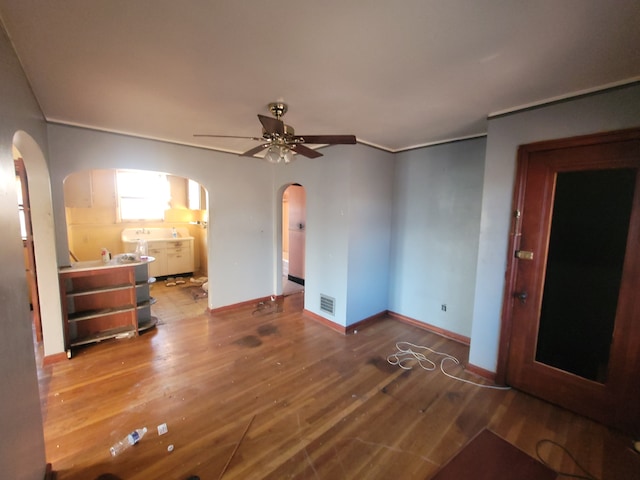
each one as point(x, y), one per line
point(584, 268)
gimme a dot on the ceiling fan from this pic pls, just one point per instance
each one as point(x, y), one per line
point(280, 139)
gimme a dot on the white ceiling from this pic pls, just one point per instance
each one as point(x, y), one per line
point(397, 74)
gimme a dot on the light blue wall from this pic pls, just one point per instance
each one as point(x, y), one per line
point(347, 233)
point(370, 207)
point(241, 223)
point(606, 111)
point(22, 453)
point(436, 223)
point(326, 183)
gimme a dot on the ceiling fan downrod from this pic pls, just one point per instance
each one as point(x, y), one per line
point(278, 109)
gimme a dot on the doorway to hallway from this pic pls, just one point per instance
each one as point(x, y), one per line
point(294, 220)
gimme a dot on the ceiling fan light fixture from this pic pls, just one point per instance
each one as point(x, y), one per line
point(286, 154)
point(273, 154)
point(279, 154)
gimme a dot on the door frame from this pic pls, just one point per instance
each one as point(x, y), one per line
point(514, 229)
point(28, 243)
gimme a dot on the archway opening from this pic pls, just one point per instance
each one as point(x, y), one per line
point(159, 215)
point(100, 207)
point(44, 244)
point(294, 223)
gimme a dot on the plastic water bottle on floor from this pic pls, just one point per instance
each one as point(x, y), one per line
point(131, 439)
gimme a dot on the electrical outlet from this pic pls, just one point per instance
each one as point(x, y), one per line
point(444, 307)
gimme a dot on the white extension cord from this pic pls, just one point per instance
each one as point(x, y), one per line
point(405, 353)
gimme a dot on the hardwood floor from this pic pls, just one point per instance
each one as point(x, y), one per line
point(321, 405)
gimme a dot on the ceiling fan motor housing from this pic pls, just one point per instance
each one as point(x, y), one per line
point(289, 132)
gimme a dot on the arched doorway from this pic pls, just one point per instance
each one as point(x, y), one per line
point(100, 205)
point(294, 223)
point(44, 243)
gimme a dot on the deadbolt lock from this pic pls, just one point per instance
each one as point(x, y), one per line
point(524, 255)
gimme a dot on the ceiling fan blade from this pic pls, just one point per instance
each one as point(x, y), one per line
point(225, 136)
point(328, 139)
point(306, 151)
point(254, 150)
point(272, 125)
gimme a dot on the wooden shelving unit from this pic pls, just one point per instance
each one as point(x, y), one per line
point(104, 302)
point(144, 300)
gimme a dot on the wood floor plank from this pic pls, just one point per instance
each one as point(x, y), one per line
point(325, 405)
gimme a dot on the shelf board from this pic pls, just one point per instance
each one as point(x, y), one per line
point(104, 335)
point(95, 290)
point(102, 312)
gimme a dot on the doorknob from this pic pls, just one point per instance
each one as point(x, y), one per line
point(522, 296)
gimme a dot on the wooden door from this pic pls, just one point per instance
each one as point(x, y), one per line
point(571, 332)
point(30, 259)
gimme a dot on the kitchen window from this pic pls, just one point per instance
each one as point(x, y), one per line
point(142, 195)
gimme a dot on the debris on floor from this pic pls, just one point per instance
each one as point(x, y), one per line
point(198, 292)
point(267, 307)
point(198, 281)
point(236, 447)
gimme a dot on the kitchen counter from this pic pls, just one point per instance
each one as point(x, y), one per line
point(173, 249)
point(116, 262)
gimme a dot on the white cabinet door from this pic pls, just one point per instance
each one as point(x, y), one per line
point(180, 256)
point(159, 267)
point(179, 260)
point(173, 257)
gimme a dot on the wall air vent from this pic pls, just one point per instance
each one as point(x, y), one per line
point(327, 304)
